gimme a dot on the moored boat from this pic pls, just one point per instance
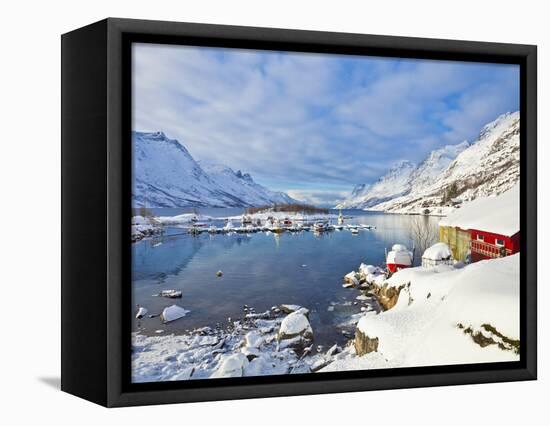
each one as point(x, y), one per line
point(320, 226)
point(246, 220)
point(340, 218)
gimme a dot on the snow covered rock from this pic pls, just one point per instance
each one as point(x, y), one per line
point(141, 312)
point(333, 350)
point(288, 309)
point(232, 366)
point(171, 294)
point(351, 278)
point(368, 269)
point(173, 313)
point(253, 339)
point(295, 329)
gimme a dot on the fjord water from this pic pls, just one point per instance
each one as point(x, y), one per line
point(260, 270)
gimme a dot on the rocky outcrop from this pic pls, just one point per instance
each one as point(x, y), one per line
point(386, 295)
point(364, 344)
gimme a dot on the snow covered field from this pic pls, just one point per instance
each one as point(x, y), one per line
point(443, 315)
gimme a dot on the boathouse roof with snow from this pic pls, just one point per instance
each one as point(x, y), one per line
point(499, 214)
point(484, 228)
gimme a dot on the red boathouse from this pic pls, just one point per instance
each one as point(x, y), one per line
point(492, 224)
point(488, 245)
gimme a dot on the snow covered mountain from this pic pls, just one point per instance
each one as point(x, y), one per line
point(166, 175)
point(488, 166)
point(391, 185)
point(243, 186)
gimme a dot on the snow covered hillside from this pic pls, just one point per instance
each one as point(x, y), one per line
point(389, 186)
point(488, 166)
point(166, 175)
point(444, 315)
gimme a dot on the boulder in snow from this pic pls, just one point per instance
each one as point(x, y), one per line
point(295, 329)
point(351, 278)
point(141, 312)
point(232, 366)
point(253, 339)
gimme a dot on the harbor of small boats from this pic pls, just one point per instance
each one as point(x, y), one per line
point(274, 226)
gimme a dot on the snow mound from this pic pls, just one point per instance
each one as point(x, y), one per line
point(253, 339)
point(447, 304)
point(438, 251)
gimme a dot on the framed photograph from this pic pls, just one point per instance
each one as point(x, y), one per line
point(254, 212)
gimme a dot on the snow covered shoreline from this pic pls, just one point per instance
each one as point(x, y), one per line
point(448, 315)
point(434, 316)
point(188, 218)
point(144, 227)
point(278, 341)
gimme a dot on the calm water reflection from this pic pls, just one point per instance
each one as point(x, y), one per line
point(261, 271)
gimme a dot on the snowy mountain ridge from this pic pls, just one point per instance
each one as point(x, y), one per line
point(166, 175)
point(393, 184)
point(462, 172)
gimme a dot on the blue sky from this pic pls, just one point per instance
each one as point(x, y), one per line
point(308, 124)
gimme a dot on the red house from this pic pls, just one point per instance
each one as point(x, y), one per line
point(493, 225)
point(488, 245)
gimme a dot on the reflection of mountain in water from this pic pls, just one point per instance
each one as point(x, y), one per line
point(172, 256)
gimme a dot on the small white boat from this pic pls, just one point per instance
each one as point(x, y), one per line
point(245, 220)
point(213, 229)
point(320, 227)
point(228, 226)
point(194, 230)
point(340, 218)
point(355, 231)
point(276, 229)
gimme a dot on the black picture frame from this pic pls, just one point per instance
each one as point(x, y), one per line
point(96, 90)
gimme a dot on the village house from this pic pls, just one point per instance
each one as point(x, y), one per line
point(485, 228)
